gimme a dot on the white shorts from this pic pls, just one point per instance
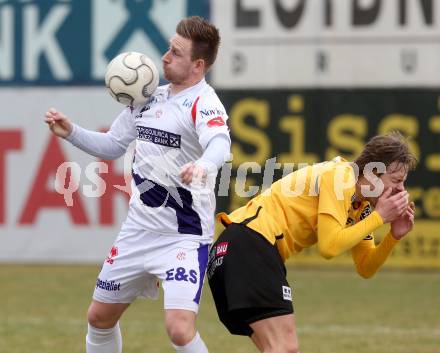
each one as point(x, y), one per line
point(139, 259)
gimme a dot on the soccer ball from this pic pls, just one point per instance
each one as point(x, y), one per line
point(131, 78)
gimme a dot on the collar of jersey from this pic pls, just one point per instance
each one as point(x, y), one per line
point(186, 90)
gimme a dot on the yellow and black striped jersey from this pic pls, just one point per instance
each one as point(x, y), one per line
point(316, 205)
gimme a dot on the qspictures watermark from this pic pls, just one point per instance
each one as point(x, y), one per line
point(164, 170)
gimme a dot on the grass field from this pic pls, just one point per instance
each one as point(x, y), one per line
point(43, 308)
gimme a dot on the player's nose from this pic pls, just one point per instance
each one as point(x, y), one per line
point(166, 57)
point(398, 189)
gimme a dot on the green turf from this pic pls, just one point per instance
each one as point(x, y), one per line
point(43, 309)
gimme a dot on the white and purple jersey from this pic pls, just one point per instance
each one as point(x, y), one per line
point(170, 132)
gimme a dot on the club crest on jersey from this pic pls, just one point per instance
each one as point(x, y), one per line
point(217, 121)
point(356, 205)
point(181, 255)
point(113, 253)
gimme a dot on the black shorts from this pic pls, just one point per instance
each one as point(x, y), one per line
point(247, 278)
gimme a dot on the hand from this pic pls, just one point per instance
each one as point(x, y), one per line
point(392, 207)
point(58, 123)
point(404, 224)
point(191, 172)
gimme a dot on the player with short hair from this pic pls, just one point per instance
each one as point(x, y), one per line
point(180, 134)
point(325, 204)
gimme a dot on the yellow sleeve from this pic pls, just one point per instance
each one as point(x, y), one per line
point(368, 257)
point(329, 202)
point(334, 236)
point(334, 239)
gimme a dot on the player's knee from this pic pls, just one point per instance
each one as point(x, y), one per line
point(291, 347)
point(286, 343)
point(99, 319)
point(290, 342)
point(180, 335)
point(284, 346)
point(181, 330)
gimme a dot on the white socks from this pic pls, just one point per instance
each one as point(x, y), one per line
point(195, 346)
point(104, 340)
point(110, 341)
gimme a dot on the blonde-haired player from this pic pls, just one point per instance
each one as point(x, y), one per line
point(180, 133)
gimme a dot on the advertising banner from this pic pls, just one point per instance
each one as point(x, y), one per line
point(51, 211)
point(328, 43)
point(302, 82)
point(57, 204)
point(70, 42)
point(275, 132)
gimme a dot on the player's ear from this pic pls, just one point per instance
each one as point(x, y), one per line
point(199, 65)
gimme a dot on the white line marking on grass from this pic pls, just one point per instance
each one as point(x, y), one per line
point(376, 329)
